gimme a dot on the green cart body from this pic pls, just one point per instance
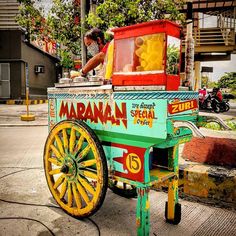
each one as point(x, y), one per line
point(125, 134)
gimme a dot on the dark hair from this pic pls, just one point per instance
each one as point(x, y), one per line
point(94, 34)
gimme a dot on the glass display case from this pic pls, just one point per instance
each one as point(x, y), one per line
point(147, 54)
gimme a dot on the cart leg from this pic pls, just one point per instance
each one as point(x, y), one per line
point(172, 198)
point(173, 208)
point(143, 212)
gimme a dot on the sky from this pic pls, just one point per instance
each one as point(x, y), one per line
point(220, 67)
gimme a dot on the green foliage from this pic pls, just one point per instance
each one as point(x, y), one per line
point(215, 126)
point(228, 80)
point(31, 20)
point(212, 85)
point(66, 58)
point(62, 25)
point(205, 81)
point(173, 55)
point(116, 13)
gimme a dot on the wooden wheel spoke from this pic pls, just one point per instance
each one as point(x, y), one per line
point(56, 152)
point(72, 140)
point(55, 171)
point(54, 161)
point(59, 144)
point(59, 181)
point(63, 189)
point(84, 152)
point(70, 195)
point(79, 143)
point(89, 174)
point(76, 196)
point(83, 193)
point(87, 163)
point(86, 185)
point(65, 139)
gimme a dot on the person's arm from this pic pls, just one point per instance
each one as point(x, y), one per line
point(93, 62)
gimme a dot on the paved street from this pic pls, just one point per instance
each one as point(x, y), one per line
point(22, 180)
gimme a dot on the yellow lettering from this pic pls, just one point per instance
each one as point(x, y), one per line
point(187, 105)
point(174, 108)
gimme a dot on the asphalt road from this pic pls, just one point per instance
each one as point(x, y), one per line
point(27, 207)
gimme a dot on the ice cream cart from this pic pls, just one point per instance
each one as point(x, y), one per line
point(123, 132)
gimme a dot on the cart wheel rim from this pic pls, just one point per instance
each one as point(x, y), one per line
point(75, 168)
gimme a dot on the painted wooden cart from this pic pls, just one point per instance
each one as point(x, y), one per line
point(125, 134)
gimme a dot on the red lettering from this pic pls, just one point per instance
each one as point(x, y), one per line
point(63, 110)
point(80, 111)
point(121, 114)
point(95, 112)
point(88, 113)
point(108, 115)
point(98, 112)
point(72, 112)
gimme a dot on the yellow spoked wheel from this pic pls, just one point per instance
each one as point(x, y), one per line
point(75, 168)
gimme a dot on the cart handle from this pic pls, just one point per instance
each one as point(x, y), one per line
point(188, 124)
point(217, 120)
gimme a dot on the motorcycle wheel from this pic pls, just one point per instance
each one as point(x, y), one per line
point(227, 107)
point(216, 108)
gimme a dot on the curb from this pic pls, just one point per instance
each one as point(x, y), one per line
point(210, 182)
point(213, 184)
point(23, 102)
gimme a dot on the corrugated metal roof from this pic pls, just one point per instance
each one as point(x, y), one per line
point(212, 6)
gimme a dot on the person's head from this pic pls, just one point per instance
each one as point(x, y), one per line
point(94, 41)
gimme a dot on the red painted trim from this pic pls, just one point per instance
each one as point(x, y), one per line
point(172, 82)
point(156, 26)
point(148, 79)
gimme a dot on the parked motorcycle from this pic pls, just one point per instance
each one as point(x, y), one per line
point(218, 106)
point(212, 103)
point(205, 102)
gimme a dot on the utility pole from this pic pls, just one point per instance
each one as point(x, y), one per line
point(83, 13)
point(189, 44)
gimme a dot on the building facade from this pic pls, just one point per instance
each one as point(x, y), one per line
point(18, 56)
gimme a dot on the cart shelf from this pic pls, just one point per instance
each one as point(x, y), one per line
point(159, 175)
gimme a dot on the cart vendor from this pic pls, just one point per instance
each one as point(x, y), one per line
point(97, 47)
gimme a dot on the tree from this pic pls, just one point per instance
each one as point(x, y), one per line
point(31, 20)
point(116, 13)
point(62, 25)
point(205, 81)
point(228, 80)
point(212, 85)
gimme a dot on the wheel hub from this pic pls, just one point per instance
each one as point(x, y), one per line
point(69, 167)
point(65, 169)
